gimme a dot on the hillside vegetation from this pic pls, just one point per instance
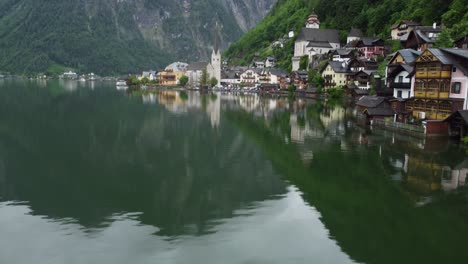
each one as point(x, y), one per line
point(374, 18)
point(114, 37)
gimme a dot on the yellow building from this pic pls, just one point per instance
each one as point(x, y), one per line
point(335, 74)
point(431, 87)
point(171, 75)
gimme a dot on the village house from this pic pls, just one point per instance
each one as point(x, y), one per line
point(440, 84)
point(374, 107)
point(362, 79)
point(195, 72)
point(313, 41)
point(354, 35)
point(270, 62)
point(300, 79)
point(172, 73)
point(259, 64)
point(403, 28)
point(250, 77)
point(69, 75)
point(356, 65)
point(335, 74)
point(398, 70)
point(458, 123)
point(422, 37)
point(462, 43)
point(150, 75)
point(342, 55)
point(370, 48)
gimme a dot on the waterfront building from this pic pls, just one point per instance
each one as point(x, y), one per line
point(398, 72)
point(150, 75)
point(300, 79)
point(195, 72)
point(172, 73)
point(440, 83)
point(335, 74)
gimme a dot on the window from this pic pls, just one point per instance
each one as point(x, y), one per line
point(400, 79)
point(454, 69)
point(456, 87)
point(409, 94)
point(399, 93)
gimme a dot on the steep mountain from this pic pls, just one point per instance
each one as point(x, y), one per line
point(374, 18)
point(117, 36)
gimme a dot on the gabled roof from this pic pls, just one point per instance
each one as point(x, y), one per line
point(369, 41)
point(458, 52)
point(423, 33)
point(463, 114)
point(278, 72)
point(370, 101)
point(407, 22)
point(354, 32)
point(409, 55)
point(314, 34)
point(319, 44)
point(197, 66)
point(451, 57)
point(338, 66)
point(380, 111)
point(342, 52)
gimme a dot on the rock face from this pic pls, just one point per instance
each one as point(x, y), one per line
point(97, 35)
point(189, 24)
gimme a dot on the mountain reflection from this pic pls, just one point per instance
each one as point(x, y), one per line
point(188, 162)
point(88, 155)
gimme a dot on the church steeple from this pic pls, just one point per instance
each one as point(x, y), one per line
point(313, 21)
point(216, 40)
point(216, 56)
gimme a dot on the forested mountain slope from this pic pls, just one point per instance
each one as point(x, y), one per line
point(373, 17)
point(117, 36)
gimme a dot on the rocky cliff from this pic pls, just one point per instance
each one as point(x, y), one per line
point(117, 36)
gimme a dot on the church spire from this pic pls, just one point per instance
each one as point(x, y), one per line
point(216, 40)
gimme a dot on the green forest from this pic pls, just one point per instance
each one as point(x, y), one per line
point(373, 17)
point(48, 36)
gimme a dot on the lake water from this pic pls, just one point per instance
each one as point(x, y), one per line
point(89, 174)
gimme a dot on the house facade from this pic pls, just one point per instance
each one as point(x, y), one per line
point(398, 72)
point(437, 85)
point(335, 74)
point(422, 38)
point(172, 73)
point(403, 28)
point(370, 48)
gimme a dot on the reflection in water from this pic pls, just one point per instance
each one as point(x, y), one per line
point(94, 175)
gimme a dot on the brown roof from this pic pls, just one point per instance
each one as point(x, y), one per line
point(370, 101)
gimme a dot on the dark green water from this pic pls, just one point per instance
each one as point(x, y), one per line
point(89, 174)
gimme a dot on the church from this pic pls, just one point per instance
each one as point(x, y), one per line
point(213, 68)
point(313, 41)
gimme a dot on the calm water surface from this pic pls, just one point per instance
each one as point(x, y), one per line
point(89, 174)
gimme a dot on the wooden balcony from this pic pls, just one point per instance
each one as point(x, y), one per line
point(433, 74)
point(431, 93)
